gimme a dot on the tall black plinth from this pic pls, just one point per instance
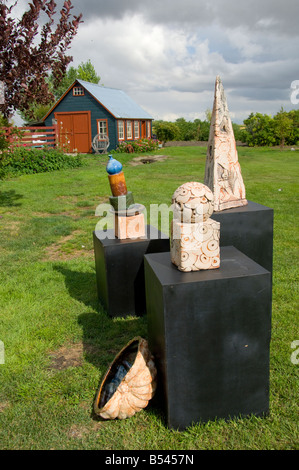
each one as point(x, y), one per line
point(250, 229)
point(209, 332)
point(120, 269)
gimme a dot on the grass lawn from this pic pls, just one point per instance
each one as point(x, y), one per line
point(58, 341)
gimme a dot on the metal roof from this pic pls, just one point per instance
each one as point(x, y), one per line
point(115, 101)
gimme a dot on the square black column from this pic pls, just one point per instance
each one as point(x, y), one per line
point(209, 332)
point(120, 269)
point(249, 229)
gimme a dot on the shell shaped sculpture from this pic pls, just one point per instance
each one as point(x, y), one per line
point(136, 387)
point(193, 202)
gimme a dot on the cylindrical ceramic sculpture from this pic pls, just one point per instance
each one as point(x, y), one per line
point(116, 177)
point(194, 235)
point(128, 217)
point(129, 384)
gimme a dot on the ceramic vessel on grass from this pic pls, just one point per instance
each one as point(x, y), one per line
point(129, 384)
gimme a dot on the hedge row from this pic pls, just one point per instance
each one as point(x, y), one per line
point(19, 161)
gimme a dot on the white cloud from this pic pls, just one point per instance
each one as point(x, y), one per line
point(166, 54)
point(170, 70)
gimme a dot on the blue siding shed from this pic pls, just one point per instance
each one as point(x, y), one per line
point(87, 109)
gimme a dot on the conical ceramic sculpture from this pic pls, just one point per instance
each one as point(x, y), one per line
point(222, 171)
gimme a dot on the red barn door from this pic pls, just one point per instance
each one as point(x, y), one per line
point(74, 131)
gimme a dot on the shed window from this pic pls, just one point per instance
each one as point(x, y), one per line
point(102, 126)
point(149, 129)
point(136, 129)
point(129, 130)
point(78, 91)
point(121, 130)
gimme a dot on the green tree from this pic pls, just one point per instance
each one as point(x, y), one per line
point(166, 131)
point(283, 126)
point(35, 113)
point(208, 114)
point(85, 71)
point(259, 130)
point(202, 130)
point(237, 131)
point(293, 139)
point(187, 129)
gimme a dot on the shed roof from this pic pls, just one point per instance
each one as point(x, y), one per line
point(116, 101)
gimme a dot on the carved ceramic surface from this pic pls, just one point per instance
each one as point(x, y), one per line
point(193, 202)
point(195, 246)
point(135, 389)
point(223, 172)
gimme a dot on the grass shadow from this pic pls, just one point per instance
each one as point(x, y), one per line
point(10, 198)
point(81, 285)
point(103, 336)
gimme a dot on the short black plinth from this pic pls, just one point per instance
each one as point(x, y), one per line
point(250, 229)
point(120, 269)
point(209, 332)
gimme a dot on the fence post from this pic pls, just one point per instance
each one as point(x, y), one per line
point(56, 131)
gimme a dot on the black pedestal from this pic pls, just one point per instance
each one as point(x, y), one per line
point(249, 229)
point(209, 332)
point(120, 269)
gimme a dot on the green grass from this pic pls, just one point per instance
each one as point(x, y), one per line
point(58, 341)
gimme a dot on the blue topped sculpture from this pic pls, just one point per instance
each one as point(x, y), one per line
point(113, 166)
point(129, 221)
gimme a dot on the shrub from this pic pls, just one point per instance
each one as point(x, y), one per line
point(166, 131)
point(140, 146)
point(20, 160)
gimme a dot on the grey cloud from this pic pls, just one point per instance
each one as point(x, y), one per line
point(265, 15)
point(251, 44)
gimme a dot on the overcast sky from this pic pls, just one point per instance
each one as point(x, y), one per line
point(166, 54)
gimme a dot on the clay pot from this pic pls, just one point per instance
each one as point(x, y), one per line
point(129, 383)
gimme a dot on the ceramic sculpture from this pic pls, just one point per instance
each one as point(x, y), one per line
point(129, 384)
point(194, 235)
point(222, 171)
point(128, 216)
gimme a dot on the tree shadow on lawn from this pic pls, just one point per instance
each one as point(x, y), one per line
point(103, 336)
point(81, 285)
point(10, 198)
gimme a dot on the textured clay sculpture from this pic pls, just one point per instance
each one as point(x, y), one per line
point(129, 384)
point(222, 171)
point(194, 235)
point(128, 217)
